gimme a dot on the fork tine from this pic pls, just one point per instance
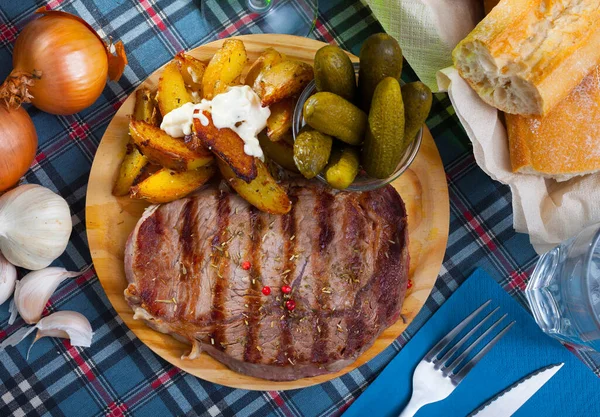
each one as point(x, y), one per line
point(462, 356)
point(440, 362)
point(457, 378)
point(441, 345)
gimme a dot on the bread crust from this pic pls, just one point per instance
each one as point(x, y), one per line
point(565, 142)
point(525, 56)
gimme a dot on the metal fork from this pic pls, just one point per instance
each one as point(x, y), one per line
point(433, 380)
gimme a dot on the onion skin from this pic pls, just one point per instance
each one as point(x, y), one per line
point(71, 58)
point(18, 145)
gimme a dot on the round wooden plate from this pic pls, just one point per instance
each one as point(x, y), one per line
point(110, 220)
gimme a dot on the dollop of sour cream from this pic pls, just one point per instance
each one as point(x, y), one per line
point(238, 109)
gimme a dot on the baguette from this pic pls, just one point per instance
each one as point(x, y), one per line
point(564, 143)
point(525, 56)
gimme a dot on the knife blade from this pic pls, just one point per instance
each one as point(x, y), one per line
point(508, 401)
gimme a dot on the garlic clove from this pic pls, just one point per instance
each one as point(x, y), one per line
point(35, 289)
point(8, 278)
point(67, 325)
point(35, 226)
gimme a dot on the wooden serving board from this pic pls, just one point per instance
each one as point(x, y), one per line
point(110, 220)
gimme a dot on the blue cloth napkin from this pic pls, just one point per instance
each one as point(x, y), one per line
point(574, 391)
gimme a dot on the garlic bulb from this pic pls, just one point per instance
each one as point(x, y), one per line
point(36, 288)
point(8, 277)
point(66, 324)
point(35, 225)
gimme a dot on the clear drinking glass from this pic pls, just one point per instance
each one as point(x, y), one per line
point(564, 290)
point(293, 17)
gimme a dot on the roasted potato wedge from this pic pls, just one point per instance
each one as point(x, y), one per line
point(165, 150)
point(167, 185)
point(228, 146)
point(131, 167)
point(172, 92)
point(224, 69)
point(148, 170)
point(281, 152)
point(266, 60)
point(285, 79)
point(192, 71)
point(263, 192)
point(146, 107)
point(279, 122)
point(134, 162)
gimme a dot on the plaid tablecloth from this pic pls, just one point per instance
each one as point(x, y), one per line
point(118, 375)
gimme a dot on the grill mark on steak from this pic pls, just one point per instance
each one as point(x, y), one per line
point(354, 229)
point(251, 352)
point(217, 313)
point(393, 248)
point(355, 321)
point(326, 232)
point(183, 290)
point(186, 236)
point(288, 229)
point(365, 221)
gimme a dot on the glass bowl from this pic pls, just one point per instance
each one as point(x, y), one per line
point(362, 182)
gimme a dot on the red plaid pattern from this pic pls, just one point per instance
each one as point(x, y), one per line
point(118, 375)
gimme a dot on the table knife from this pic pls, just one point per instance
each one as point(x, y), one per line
point(508, 401)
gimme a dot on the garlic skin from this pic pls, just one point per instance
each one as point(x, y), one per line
point(36, 288)
point(12, 309)
point(8, 278)
point(35, 225)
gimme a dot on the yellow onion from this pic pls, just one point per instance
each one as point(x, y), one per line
point(18, 144)
point(60, 64)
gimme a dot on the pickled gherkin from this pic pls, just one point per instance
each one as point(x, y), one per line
point(334, 72)
point(311, 152)
point(417, 103)
point(384, 141)
point(380, 57)
point(331, 114)
point(342, 167)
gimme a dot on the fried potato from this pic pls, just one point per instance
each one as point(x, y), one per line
point(228, 146)
point(192, 71)
point(285, 79)
point(131, 167)
point(148, 170)
point(172, 92)
point(281, 152)
point(165, 150)
point(146, 107)
point(263, 192)
point(266, 60)
point(167, 185)
point(279, 122)
point(134, 162)
point(224, 69)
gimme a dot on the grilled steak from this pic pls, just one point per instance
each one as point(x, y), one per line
point(345, 255)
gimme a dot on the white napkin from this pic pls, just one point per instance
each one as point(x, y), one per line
point(548, 211)
point(427, 30)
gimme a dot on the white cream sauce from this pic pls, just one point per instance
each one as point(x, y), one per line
point(238, 109)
